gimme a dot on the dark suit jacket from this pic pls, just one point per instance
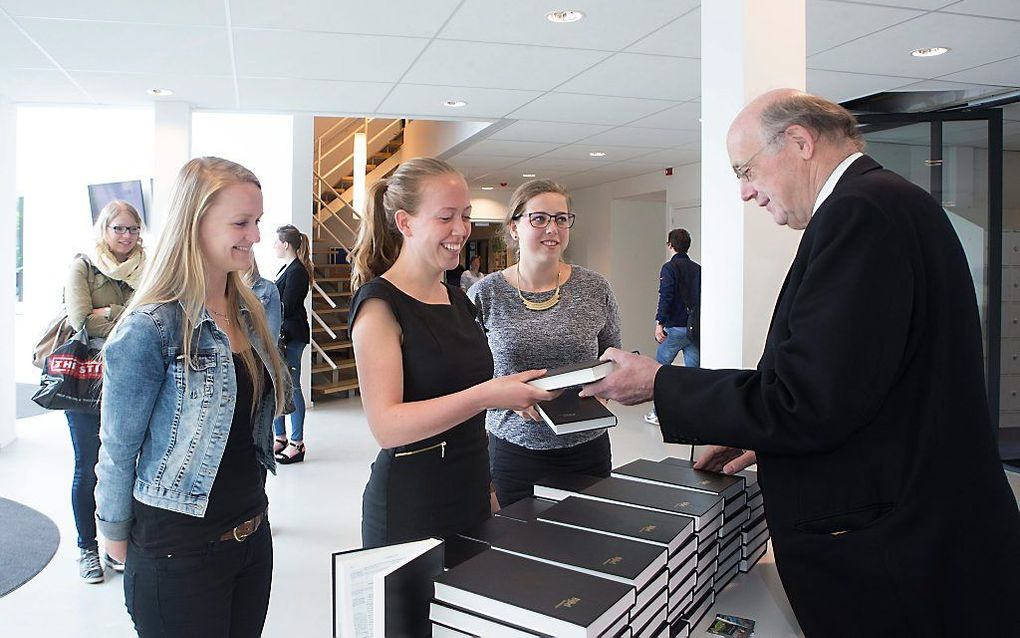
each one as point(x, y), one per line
point(293, 283)
point(888, 507)
point(679, 289)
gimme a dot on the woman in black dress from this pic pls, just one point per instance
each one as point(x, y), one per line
point(424, 365)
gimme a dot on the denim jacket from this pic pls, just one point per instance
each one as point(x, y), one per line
point(269, 295)
point(162, 441)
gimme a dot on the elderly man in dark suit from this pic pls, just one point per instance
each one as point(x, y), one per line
point(889, 510)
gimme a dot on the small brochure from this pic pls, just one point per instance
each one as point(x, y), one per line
point(733, 626)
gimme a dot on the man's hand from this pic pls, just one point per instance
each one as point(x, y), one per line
point(632, 382)
point(728, 460)
point(660, 333)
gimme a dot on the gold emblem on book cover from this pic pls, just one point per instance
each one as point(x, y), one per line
point(568, 602)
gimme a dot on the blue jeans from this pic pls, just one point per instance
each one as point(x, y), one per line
point(292, 351)
point(85, 440)
point(676, 340)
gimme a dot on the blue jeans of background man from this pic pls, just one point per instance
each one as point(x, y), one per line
point(292, 351)
point(85, 440)
point(676, 340)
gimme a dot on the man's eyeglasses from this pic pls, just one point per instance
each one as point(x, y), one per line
point(541, 220)
point(125, 230)
point(743, 171)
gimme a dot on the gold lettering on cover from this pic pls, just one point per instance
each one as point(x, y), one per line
point(647, 528)
point(615, 560)
point(681, 505)
point(569, 602)
point(705, 482)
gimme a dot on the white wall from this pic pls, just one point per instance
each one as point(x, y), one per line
point(8, 207)
point(432, 138)
point(637, 248)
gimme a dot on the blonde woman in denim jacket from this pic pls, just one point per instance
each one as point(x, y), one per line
point(191, 384)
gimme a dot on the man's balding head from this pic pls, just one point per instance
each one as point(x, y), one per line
point(771, 113)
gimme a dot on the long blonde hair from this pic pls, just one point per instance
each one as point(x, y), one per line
point(111, 210)
point(177, 270)
point(379, 242)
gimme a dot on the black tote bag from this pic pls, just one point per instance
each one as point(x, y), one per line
point(72, 377)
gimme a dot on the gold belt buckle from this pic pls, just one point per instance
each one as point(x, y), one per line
point(242, 537)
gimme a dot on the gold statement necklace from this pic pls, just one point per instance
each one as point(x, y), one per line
point(539, 306)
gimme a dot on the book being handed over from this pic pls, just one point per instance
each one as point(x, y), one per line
point(569, 413)
point(573, 374)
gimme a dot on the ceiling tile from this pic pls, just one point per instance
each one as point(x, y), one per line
point(888, 52)
point(510, 148)
point(421, 100)
point(681, 37)
point(672, 156)
point(547, 164)
point(40, 85)
point(17, 51)
point(591, 109)
point(840, 87)
point(204, 92)
point(647, 137)
point(323, 56)
point(482, 164)
point(1003, 72)
point(832, 23)
point(416, 18)
point(638, 75)
point(319, 96)
point(608, 25)
point(581, 151)
point(686, 116)
point(1009, 9)
point(499, 66)
point(533, 131)
point(926, 5)
point(193, 12)
point(132, 48)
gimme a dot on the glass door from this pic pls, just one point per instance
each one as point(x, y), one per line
point(957, 157)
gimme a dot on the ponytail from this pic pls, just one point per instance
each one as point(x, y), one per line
point(379, 242)
point(300, 243)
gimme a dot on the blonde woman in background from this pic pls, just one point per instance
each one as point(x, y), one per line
point(191, 384)
point(97, 289)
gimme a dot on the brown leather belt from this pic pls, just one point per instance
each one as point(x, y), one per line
point(244, 530)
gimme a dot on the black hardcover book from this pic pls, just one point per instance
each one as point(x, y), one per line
point(569, 413)
point(681, 472)
point(538, 596)
point(573, 374)
point(527, 509)
point(753, 487)
point(626, 561)
point(621, 520)
point(491, 529)
point(700, 506)
point(385, 591)
point(559, 486)
point(459, 549)
point(477, 625)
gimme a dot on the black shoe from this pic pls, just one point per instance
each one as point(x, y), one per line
point(297, 457)
point(113, 563)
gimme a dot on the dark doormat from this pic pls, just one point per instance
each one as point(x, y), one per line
point(26, 406)
point(28, 540)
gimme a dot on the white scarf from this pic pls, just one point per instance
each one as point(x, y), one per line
point(129, 271)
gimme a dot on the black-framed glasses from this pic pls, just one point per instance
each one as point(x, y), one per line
point(743, 171)
point(125, 230)
point(541, 220)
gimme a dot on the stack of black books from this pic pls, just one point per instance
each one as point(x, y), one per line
point(754, 535)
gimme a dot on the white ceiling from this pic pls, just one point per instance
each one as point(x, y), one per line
point(623, 81)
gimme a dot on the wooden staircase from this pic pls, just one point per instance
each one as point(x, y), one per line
point(334, 229)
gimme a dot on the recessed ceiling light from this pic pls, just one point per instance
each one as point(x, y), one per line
point(487, 188)
point(160, 92)
point(455, 104)
point(563, 17)
point(597, 154)
point(927, 52)
point(527, 174)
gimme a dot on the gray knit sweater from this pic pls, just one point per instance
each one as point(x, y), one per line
point(581, 326)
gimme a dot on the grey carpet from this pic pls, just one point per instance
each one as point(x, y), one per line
point(26, 406)
point(28, 541)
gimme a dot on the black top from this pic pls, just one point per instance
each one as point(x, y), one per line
point(293, 283)
point(679, 289)
point(238, 492)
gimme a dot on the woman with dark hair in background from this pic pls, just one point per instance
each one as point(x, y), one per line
point(97, 289)
point(423, 365)
point(293, 280)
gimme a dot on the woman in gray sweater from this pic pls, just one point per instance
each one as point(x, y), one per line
point(542, 313)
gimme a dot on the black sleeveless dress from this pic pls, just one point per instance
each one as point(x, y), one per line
point(438, 486)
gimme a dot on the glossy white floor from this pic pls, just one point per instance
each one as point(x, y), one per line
point(315, 509)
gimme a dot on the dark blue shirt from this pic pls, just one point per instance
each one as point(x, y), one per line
point(679, 289)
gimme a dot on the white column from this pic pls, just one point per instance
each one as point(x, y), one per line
point(747, 48)
point(303, 145)
point(8, 207)
point(172, 150)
